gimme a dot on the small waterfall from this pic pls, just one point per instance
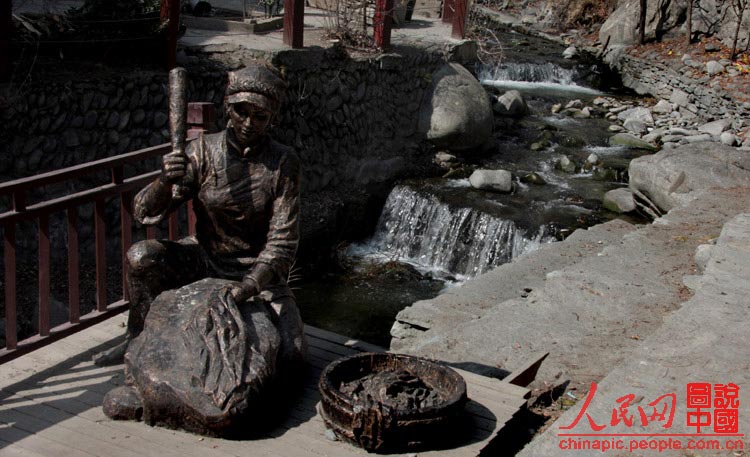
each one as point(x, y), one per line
point(532, 76)
point(529, 72)
point(419, 229)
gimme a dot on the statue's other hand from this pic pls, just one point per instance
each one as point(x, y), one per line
point(174, 166)
point(243, 291)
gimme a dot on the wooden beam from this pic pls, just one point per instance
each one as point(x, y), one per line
point(525, 374)
point(294, 23)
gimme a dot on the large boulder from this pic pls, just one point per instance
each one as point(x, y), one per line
point(202, 363)
point(621, 27)
point(456, 113)
point(673, 177)
point(667, 18)
point(511, 104)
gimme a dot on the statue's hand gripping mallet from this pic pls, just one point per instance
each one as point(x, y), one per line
point(174, 164)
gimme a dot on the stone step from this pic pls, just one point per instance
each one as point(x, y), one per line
point(422, 320)
point(700, 342)
point(590, 314)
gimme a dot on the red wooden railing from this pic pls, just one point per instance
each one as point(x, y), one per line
point(120, 187)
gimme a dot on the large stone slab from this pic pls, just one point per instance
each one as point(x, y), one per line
point(672, 177)
point(697, 343)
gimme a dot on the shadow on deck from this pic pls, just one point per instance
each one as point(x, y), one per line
point(50, 404)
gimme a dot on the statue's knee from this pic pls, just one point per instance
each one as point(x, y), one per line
point(145, 255)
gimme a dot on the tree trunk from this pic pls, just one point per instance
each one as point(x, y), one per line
point(689, 37)
point(642, 22)
point(739, 9)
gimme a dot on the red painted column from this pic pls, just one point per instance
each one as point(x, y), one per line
point(6, 24)
point(459, 20)
point(170, 13)
point(383, 23)
point(294, 23)
point(449, 9)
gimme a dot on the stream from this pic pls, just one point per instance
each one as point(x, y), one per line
point(437, 233)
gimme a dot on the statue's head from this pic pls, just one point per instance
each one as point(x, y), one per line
point(253, 99)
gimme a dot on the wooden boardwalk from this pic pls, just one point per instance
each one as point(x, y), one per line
point(50, 405)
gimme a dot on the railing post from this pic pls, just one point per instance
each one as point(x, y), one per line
point(459, 19)
point(449, 10)
point(170, 13)
point(44, 276)
point(294, 23)
point(201, 118)
point(6, 25)
point(100, 248)
point(74, 294)
point(11, 335)
point(383, 23)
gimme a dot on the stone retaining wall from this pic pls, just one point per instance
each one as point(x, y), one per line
point(353, 121)
point(701, 96)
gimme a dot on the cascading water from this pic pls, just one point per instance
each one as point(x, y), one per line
point(531, 72)
point(418, 228)
point(525, 75)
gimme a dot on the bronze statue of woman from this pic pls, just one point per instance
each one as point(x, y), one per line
point(245, 192)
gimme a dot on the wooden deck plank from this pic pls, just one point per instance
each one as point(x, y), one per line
point(54, 395)
point(159, 441)
point(21, 441)
point(65, 438)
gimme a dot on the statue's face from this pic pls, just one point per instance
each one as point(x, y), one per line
point(250, 122)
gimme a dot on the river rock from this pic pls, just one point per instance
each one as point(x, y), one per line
point(570, 52)
point(616, 128)
point(716, 128)
point(635, 126)
point(619, 201)
point(679, 98)
point(566, 165)
point(640, 114)
point(714, 68)
point(533, 178)
point(456, 113)
point(445, 160)
point(672, 177)
point(663, 107)
point(654, 136)
point(494, 180)
point(184, 372)
point(556, 108)
point(511, 104)
point(630, 141)
point(730, 139)
point(698, 138)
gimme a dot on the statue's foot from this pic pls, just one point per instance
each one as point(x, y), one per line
point(123, 403)
point(113, 356)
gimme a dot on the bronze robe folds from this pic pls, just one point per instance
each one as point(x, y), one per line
point(246, 203)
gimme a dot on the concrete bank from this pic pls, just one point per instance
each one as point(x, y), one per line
point(702, 342)
point(590, 301)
